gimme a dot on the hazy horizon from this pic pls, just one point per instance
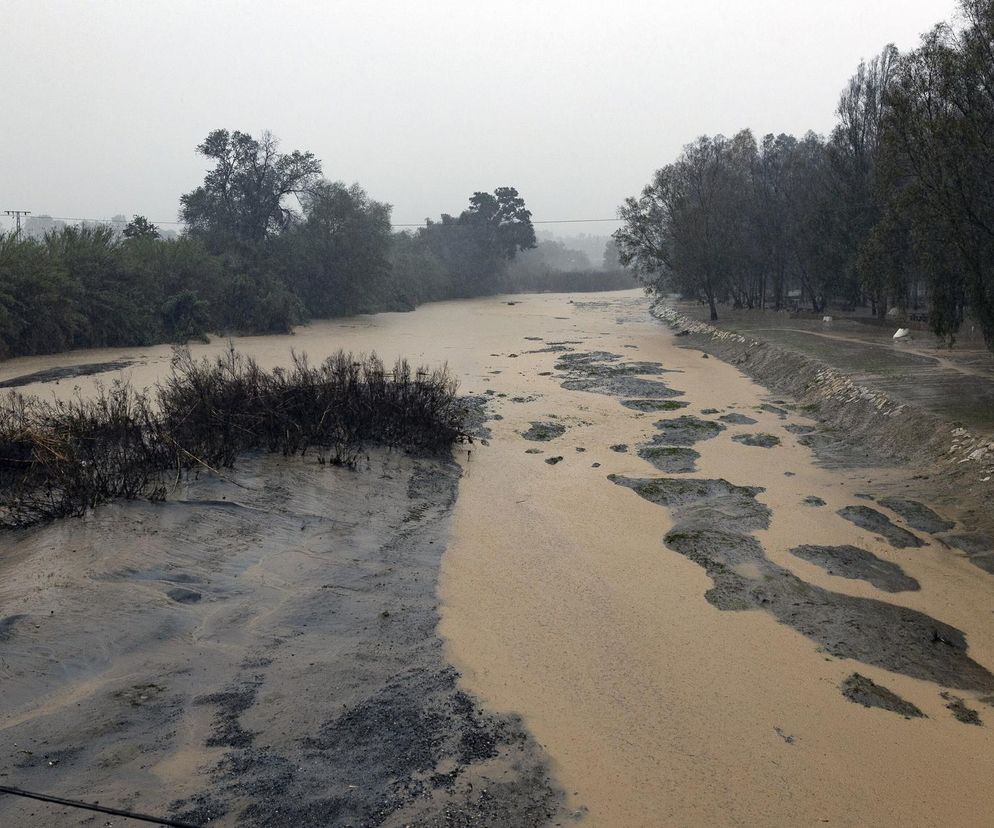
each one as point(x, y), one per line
point(574, 104)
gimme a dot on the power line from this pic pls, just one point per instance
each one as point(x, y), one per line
point(100, 220)
point(535, 221)
point(401, 224)
point(17, 217)
point(93, 806)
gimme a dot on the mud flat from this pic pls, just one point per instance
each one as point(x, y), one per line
point(264, 654)
point(641, 646)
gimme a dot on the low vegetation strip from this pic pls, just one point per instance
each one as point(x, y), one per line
point(60, 458)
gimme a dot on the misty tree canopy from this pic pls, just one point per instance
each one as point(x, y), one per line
point(244, 197)
point(894, 209)
point(269, 243)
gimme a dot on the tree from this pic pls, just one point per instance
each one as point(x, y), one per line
point(476, 245)
point(684, 231)
point(339, 253)
point(939, 134)
point(854, 151)
point(140, 228)
point(243, 198)
point(611, 259)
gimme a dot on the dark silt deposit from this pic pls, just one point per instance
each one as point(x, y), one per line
point(671, 459)
point(773, 409)
point(544, 431)
point(685, 430)
point(711, 519)
point(917, 515)
point(654, 405)
point(725, 503)
point(797, 428)
point(737, 419)
point(759, 440)
point(307, 686)
point(622, 386)
point(861, 690)
point(601, 372)
point(67, 372)
point(7, 626)
point(960, 711)
point(858, 564)
point(978, 547)
point(813, 500)
point(475, 411)
point(878, 523)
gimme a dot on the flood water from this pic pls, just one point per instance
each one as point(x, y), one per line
point(663, 685)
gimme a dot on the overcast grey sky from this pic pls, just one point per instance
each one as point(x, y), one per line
point(574, 103)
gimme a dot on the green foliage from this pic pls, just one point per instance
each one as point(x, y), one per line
point(249, 262)
point(476, 245)
point(339, 252)
point(243, 198)
point(140, 228)
point(39, 311)
point(939, 151)
point(895, 208)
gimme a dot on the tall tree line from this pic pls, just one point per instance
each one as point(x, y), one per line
point(894, 208)
point(268, 243)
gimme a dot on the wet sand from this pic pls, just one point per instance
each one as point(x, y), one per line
point(561, 603)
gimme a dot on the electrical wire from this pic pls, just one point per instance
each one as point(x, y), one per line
point(93, 806)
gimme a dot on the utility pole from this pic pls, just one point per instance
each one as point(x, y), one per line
point(17, 218)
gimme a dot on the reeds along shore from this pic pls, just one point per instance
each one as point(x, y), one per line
point(60, 458)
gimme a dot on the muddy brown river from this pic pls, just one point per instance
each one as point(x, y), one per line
point(637, 603)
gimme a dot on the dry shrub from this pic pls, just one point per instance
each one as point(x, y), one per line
point(62, 457)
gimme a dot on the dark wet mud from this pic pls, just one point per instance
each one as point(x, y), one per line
point(814, 500)
point(723, 503)
point(655, 405)
point(797, 428)
point(858, 564)
point(711, 517)
point(782, 413)
point(601, 372)
point(306, 686)
point(67, 372)
point(878, 523)
point(737, 419)
point(760, 440)
point(960, 711)
point(685, 430)
point(917, 515)
point(544, 431)
point(7, 626)
point(861, 690)
point(978, 547)
point(671, 459)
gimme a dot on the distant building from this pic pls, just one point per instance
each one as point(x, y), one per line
point(35, 227)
